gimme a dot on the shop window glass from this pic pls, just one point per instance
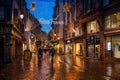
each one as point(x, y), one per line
point(78, 31)
point(116, 46)
point(92, 27)
point(118, 19)
point(108, 43)
point(107, 22)
point(88, 28)
point(108, 46)
point(69, 35)
point(112, 21)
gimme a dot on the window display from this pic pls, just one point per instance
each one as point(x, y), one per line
point(108, 45)
point(112, 21)
point(113, 45)
point(92, 27)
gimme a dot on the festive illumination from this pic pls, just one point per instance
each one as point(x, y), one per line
point(33, 6)
point(66, 7)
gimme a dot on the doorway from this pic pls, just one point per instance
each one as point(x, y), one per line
point(1, 49)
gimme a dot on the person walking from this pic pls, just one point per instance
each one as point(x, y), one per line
point(52, 53)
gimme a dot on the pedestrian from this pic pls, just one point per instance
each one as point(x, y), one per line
point(52, 53)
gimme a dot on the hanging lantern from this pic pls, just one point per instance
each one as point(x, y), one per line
point(33, 6)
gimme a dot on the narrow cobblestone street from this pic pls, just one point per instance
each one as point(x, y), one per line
point(64, 67)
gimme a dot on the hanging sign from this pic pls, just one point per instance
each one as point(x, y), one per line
point(33, 6)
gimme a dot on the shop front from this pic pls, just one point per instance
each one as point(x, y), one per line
point(112, 35)
point(113, 46)
point(79, 47)
point(59, 48)
point(93, 47)
point(69, 47)
point(93, 40)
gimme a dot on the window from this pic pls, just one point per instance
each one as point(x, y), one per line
point(108, 44)
point(92, 27)
point(68, 34)
point(2, 13)
point(78, 31)
point(112, 21)
point(87, 6)
point(105, 2)
point(95, 4)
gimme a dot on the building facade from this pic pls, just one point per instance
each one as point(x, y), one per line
point(97, 21)
point(91, 28)
point(57, 27)
point(11, 29)
point(112, 29)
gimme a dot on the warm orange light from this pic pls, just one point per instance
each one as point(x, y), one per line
point(21, 16)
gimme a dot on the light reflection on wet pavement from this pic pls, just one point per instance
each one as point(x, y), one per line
point(64, 67)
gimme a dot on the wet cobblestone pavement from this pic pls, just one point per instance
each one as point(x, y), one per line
point(64, 67)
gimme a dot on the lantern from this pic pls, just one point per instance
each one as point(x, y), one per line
point(33, 6)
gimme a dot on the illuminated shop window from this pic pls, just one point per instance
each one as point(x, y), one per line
point(108, 46)
point(78, 31)
point(112, 21)
point(92, 27)
point(108, 43)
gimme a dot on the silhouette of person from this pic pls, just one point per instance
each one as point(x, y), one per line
point(52, 53)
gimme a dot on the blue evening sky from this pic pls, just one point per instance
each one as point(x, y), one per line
point(43, 11)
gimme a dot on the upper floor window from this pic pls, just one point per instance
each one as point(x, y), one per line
point(2, 12)
point(95, 4)
point(92, 27)
point(87, 6)
point(78, 31)
point(105, 2)
point(112, 21)
point(69, 34)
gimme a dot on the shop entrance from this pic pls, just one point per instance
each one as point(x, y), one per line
point(69, 48)
point(79, 49)
point(93, 47)
point(1, 49)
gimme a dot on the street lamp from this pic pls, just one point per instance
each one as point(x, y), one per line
point(21, 16)
point(54, 34)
